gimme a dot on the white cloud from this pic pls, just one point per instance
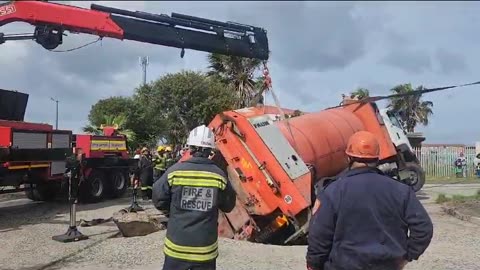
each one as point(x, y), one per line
point(319, 50)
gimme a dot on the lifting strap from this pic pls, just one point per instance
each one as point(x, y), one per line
point(267, 84)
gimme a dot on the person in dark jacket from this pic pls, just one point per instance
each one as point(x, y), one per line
point(190, 193)
point(145, 171)
point(364, 217)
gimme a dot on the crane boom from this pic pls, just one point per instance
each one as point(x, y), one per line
point(179, 30)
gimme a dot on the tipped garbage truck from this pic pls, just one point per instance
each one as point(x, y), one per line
point(276, 165)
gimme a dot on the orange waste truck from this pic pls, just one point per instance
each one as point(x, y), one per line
point(276, 165)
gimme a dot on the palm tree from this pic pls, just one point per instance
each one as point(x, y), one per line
point(360, 93)
point(238, 73)
point(112, 120)
point(412, 108)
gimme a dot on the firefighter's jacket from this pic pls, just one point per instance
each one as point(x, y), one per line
point(191, 193)
point(160, 162)
point(169, 162)
point(145, 170)
point(362, 223)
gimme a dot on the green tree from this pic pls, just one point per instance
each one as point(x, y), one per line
point(360, 93)
point(112, 120)
point(147, 118)
point(182, 101)
point(123, 111)
point(240, 75)
point(108, 107)
point(412, 108)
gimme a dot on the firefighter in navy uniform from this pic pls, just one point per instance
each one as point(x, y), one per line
point(145, 171)
point(191, 193)
point(362, 219)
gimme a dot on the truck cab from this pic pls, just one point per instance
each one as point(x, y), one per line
point(408, 165)
point(393, 123)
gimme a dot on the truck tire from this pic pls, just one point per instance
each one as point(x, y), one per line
point(42, 192)
point(94, 188)
point(418, 174)
point(117, 183)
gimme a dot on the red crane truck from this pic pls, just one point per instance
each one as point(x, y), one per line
point(34, 154)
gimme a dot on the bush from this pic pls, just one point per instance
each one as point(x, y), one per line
point(442, 198)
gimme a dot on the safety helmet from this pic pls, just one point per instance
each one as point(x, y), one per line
point(363, 145)
point(201, 136)
point(144, 149)
point(168, 149)
point(160, 148)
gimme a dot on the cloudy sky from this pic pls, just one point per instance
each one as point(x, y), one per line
point(319, 51)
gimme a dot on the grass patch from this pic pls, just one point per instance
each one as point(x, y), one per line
point(452, 180)
point(442, 198)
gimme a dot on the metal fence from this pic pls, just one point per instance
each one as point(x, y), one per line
point(438, 160)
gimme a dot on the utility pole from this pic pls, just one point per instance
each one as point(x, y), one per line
point(144, 61)
point(56, 113)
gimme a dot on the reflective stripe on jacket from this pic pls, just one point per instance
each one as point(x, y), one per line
point(192, 192)
point(170, 162)
point(145, 169)
point(189, 253)
point(160, 163)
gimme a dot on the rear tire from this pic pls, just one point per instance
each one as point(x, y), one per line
point(42, 192)
point(416, 173)
point(94, 188)
point(117, 183)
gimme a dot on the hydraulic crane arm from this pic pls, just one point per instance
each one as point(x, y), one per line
point(178, 30)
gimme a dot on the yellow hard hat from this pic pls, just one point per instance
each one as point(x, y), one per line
point(168, 149)
point(160, 148)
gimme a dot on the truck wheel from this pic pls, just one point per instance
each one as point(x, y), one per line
point(42, 191)
point(413, 175)
point(93, 189)
point(118, 183)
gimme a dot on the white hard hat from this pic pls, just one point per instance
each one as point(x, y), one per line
point(201, 136)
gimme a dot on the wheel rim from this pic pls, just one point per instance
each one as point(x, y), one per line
point(410, 176)
point(118, 181)
point(413, 177)
point(97, 187)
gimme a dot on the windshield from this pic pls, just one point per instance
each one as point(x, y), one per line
point(394, 119)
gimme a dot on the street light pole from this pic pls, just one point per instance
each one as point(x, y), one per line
point(56, 112)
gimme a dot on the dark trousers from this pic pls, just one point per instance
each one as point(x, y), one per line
point(176, 264)
point(146, 179)
point(381, 265)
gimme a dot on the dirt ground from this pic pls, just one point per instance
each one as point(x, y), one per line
point(26, 229)
point(471, 208)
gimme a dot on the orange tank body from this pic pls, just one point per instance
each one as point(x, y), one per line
point(273, 164)
point(321, 138)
